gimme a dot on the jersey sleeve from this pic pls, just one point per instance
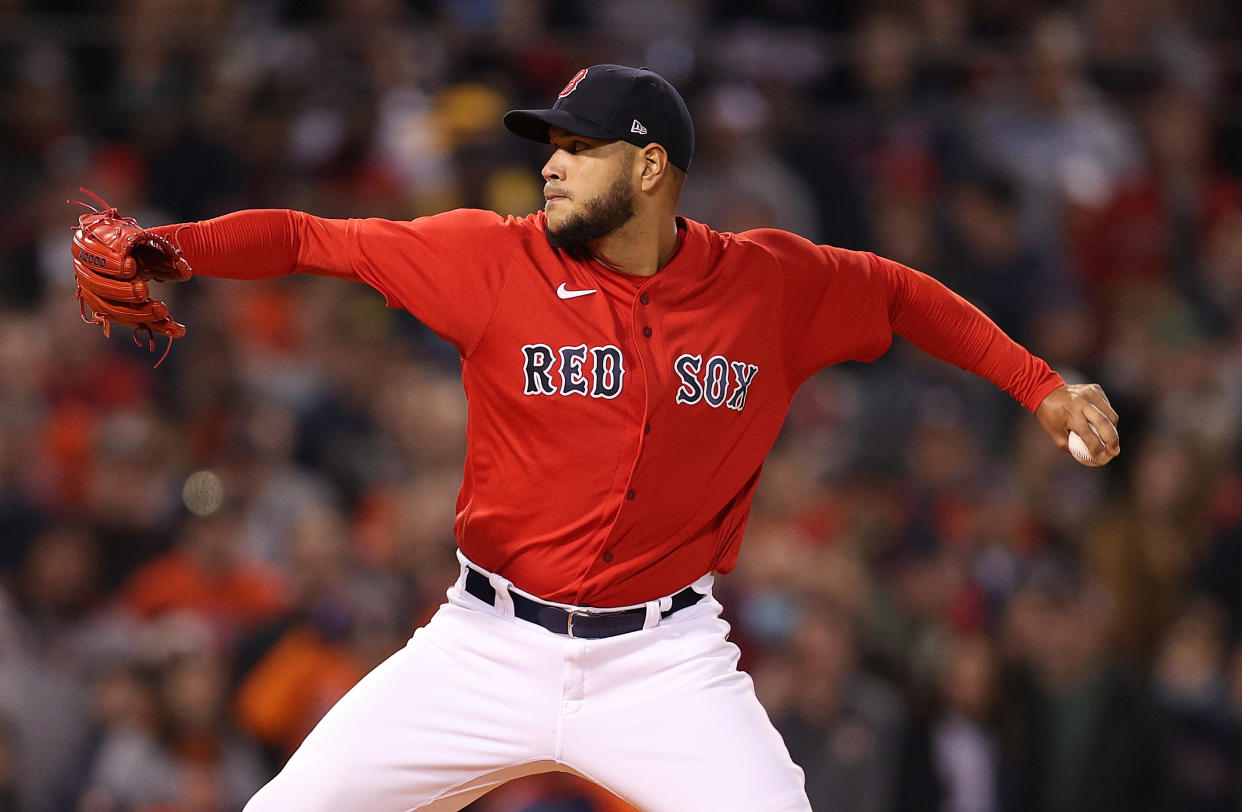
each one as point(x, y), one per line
point(446, 269)
point(846, 305)
point(943, 324)
point(834, 310)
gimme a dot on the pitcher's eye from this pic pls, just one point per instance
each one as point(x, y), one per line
point(572, 147)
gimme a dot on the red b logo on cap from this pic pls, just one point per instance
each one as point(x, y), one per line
point(573, 83)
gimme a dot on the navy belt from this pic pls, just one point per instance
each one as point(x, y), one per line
point(589, 624)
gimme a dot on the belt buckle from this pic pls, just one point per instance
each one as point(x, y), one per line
point(572, 612)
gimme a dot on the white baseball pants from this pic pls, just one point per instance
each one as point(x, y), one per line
point(661, 717)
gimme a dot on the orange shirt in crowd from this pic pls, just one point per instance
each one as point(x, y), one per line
point(242, 595)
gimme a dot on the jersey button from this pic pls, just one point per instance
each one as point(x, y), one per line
point(647, 332)
point(607, 558)
point(647, 429)
point(645, 299)
point(630, 494)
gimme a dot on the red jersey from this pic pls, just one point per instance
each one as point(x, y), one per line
point(618, 424)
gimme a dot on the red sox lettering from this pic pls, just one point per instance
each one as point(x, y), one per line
point(564, 371)
point(544, 376)
point(713, 386)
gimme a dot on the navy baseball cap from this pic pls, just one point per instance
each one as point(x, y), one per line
point(615, 102)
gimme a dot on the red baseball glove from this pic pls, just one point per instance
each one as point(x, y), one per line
point(113, 258)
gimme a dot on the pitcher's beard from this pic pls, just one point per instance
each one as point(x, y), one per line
point(603, 215)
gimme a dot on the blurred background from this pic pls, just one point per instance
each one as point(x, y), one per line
point(942, 611)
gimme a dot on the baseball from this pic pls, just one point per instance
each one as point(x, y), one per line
point(1079, 449)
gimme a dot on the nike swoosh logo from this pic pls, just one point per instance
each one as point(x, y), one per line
point(563, 293)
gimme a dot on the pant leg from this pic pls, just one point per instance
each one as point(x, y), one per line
point(469, 703)
point(669, 723)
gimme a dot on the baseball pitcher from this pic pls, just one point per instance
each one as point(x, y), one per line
point(627, 371)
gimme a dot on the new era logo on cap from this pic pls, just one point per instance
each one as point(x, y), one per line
point(637, 127)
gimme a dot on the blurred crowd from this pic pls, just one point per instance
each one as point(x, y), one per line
point(941, 610)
